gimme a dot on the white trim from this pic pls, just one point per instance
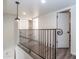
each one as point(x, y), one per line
point(73, 53)
point(67, 8)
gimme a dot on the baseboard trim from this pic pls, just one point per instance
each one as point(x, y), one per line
point(73, 53)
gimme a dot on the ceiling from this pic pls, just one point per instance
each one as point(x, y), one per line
point(35, 8)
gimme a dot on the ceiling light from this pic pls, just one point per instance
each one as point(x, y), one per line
point(43, 1)
point(24, 13)
point(17, 18)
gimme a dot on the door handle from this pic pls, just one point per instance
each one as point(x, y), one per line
point(60, 32)
point(68, 32)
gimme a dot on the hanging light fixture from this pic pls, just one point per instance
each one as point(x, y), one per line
point(17, 18)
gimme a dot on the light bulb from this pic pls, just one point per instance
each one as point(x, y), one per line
point(24, 13)
point(43, 1)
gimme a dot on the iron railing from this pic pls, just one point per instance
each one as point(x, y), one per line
point(40, 41)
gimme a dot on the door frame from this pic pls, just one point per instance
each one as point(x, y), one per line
point(65, 10)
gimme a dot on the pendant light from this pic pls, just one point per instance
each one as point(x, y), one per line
point(17, 18)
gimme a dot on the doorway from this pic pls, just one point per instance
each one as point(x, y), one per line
point(64, 39)
point(64, 23)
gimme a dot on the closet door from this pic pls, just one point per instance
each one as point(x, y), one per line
point(63, 24)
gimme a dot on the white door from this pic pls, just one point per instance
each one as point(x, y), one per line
point(63, 23)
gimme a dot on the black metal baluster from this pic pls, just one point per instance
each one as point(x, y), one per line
point(43, 41)
point(50, 44)
point(55, 42)
point(39, 40)
point(40, 43)
point(53, 50)
point(44, 44)
point(47, 43)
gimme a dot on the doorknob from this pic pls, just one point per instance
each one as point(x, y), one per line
point(59, 32)
point(68, 32)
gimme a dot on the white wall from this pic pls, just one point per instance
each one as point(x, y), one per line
point(47, 21)
point(8, 54)
point(35, 23)
point(73, 30)
point(20, 54)
point(35, 26)
point(23, 24)
point(9, 34)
